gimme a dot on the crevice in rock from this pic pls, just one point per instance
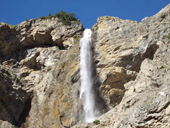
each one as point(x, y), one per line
point(25, 111)
point(15, 103)
point(14, 112)
point(21, 53)
point(32, 62)
point(150, 51)
point(133, 62)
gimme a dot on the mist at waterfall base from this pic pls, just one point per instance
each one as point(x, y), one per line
point(86, 89)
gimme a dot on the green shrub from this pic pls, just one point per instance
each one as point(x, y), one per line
point(108, 18)
point(64, 17)
point(43, 17)
point(44, 25)
point(49, 14)
point(168, 36)
point(12, 26)
point(96, 122)
point(124, 90)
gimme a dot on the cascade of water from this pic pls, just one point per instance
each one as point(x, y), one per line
point(86, 90)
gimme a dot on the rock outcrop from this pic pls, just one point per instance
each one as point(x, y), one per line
point(15, 102)
point(39, 62)
point(141, 50)
point(39, 73)
point(120, 46)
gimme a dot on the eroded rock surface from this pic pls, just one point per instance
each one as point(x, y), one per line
point(39, 62)
point(39, 73)
point(120, 46)
point(15, 102)
point(133, 65)
point(143, 49)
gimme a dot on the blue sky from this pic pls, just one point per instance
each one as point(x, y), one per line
point(87, 11)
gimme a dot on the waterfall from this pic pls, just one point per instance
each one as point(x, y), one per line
point(86, 89)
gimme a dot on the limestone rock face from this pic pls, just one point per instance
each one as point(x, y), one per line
point(132, 60)
point(47, 31)
point(39, 71)
point(15, 102)
point(8, 40)
point(53, 101)
point(40, 79)
point(37, 32)
point(142, 50)
point(120, 46)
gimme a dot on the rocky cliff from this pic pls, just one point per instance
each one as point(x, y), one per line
point(39, 73)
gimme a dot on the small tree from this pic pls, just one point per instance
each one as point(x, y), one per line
point(96, 122)
point(66, 17)
point(49, 14)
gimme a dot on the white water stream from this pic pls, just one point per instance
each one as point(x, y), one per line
point(86, 90)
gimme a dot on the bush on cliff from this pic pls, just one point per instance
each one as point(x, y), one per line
point(168, 36)
point(64, 17)
point(96, 122)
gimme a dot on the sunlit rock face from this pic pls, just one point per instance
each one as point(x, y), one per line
point(120, 48)
point(132, 62)
point(40, 73)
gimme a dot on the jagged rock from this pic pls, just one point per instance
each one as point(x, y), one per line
point(68, 43)
point(120, 46)
point(34, 33)
point(47, 67)
point(46, 32)
point(8, 40)
point(112, 87)
point(84, 125)
point(15, 102)
point(146, 100)
point(136, 52)
point(42, 90)
point(52, 101)
point(38, 58)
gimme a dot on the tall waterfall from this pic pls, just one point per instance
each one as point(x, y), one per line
point(86, 90)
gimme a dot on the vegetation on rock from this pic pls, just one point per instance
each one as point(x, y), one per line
point(9, 25)
point(40, 79)
point(64, 17)
point(12, 26)
point(96, 122)
point(168, 36)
